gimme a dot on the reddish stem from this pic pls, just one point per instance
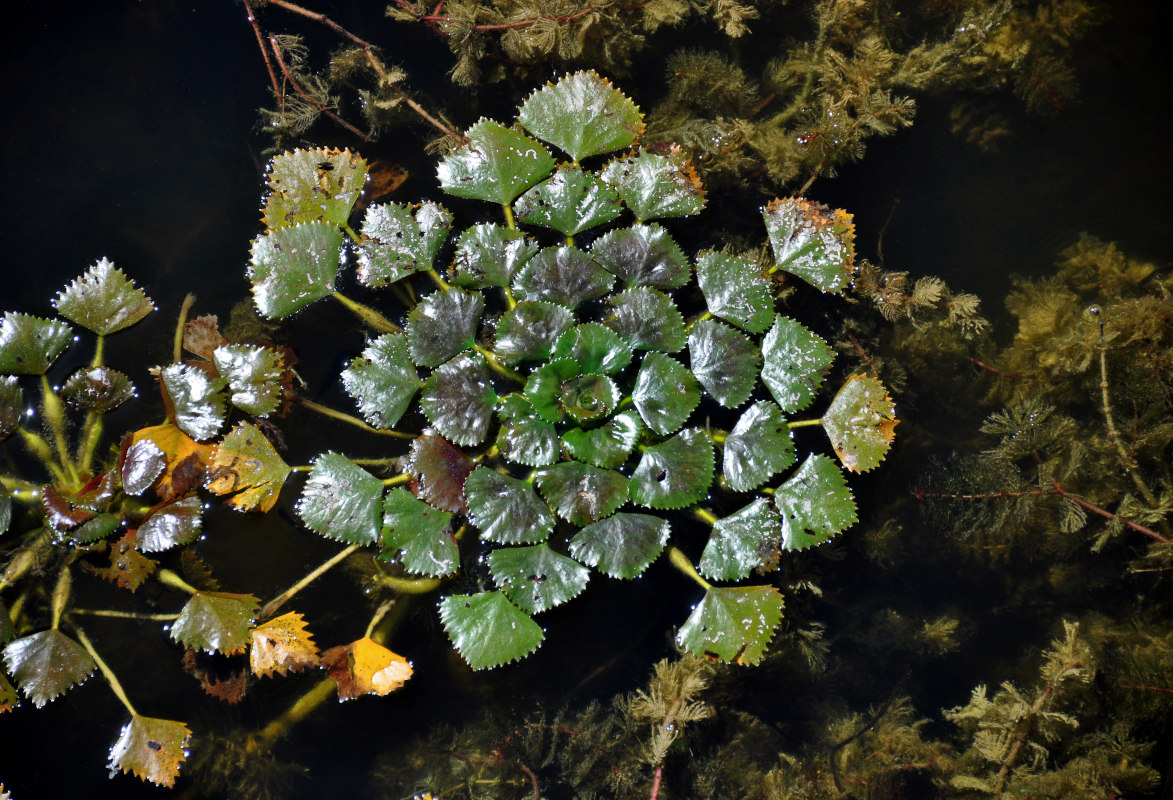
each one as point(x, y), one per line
point(312, 101)
point(995, 370)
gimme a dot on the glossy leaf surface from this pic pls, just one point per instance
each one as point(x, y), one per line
point(861, 423)
point(419, 533)
point(29, 345)
point(97, 389)
point(399, 239)
point(563, 275)
point(313, 185)
point(495, 164)
point(293, 267)
point(583, 115)
point(11, 405)
point(794, 361)
point(197, 399)
point(742, 542)
point(812, 241)
point(490, 255)
point(643, 255)
point(488, 630)
point(589, 398)
point(173, 524)
point(654, 185)
point(580, 493)
point(734, 623)
point(622, 545)
point(665, 393)
point(815, 504)
point(342, 501)
point(736, 291)
point(254, 374)
point(569, 201)
point(46, 664)
point(596, 349)
point(442, 325)
point(103, 300)
point(281, 645)
point(440, 470)
point(151, 749)
point(365, 667)
point(675, 473)
point(543, 388)
point(186, 459)
point(383, 380)
point(247, 468)
point(218, 621)
point(607, 445)
point(536, 578)
point(759, 446)
point(724, 360)
point(506, 509)
point(524, 436)
point(528, 331)
point(458, 399)
point(647, 319)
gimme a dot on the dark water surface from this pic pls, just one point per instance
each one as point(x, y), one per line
point(130, 133)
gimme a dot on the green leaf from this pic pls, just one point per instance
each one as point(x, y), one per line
point(383, 380)
point(458, 399)
point(608, 445)
point(5, 521)
point(811, 241)
point(815, 504)
point(440, 469)
point(580, 493)
point(742, 542)
point(596, 348)
point(419, 533)
point(528, 331)
point(490, 255)
point(341, 500)
point(313, 185)
point(760, 445)
point(197, 399)
point(675, 473)
point(98, 528)
point(487, 630)
point(647, 319)
point(103, 300)
point(589, 398)
point(505, 509)
point(254, 375)
point(293, 267)
point(734, 623)
point(11, 405)
point(216, 621)
point(736, 291)
point(569, 201)
point(794, 360)
point(654, 185)
point(622, 545)
point(543, 388)
point(583, 115)
point(152, 749)
point(536, 578)
point(96, 389)
point(399, 239)
point(563, 275)
point(524, 437)
point(170, 525)
point(29, 345)
point(643, 255)
point(245, 466)
point(665, 393)
point(861, 423)
point(495, 164)
point(442, 325)
point(47, 664)
point(724, 360)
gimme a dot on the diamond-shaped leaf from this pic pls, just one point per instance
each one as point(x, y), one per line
point(793, 363)
point(665, 393)
point(815, 504)
point(152, 749)
point(569, 201)
point(254, 375)
point(218, 621)
point(812, 241)
point(281, 645)
point(420, 535)
point(506, 509)
point(580, 493)
point(675, 473)
point(11, 405)
point(495, 164)
point(524, 437)
point(643, 255)
point(440, 470)
point(596, 348)
point(247, 468)
point(736, 291)
point(734, 623)
point(647, 319)
point(458, 399)
point(341, 500)
point(103, 300)
point(197, 399)
point(170, 525)
point(488, 630)
point(861, 422)
point(742, 542)
point(490, 255)
point(654, 185)
point(399, 239)
point(29, 345)
point(622, 545)
point(535, 577)
point(543, 388)
point(528, 331)
point(583, 115)
point(46, 664)
point(313, 185)
point(293, 267)
point(563, 275)
point(97, 389)
point(724, 360)
point(760, 445)
point(609, 444)
point(442, 325)
point(383, 380)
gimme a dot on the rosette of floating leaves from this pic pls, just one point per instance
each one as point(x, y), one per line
point(563, 387)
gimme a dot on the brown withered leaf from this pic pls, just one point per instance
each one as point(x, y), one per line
point(281, 645)
point(202, 335)
point(128, 567)
point(365, 667)
point(223, 677)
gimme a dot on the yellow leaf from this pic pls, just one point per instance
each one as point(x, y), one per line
point(151, 748)
point(187, 459)
point(245, 466)
point(365, 667)
point(280, 645)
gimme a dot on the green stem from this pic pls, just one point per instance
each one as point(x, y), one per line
point(681, 562)
point(61, 595)
point(90, 437)
point(380, 612)
point(368, 315)
point(408, 585)
point(509, 223)
point(106, 612)
point(497, 366)
point(354, 237)
point(263, 740)
point(99, 346)
point(271, 607)
point(397, 479)
point(40, 448)
point(443, 284)
point(326, 411)
point(169, 578)
point(55, 415)
point(804, 423)
point(704, 515)
point(177, 342)
point(107, 673)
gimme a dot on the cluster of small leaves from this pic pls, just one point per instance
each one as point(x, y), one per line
point(564, 389)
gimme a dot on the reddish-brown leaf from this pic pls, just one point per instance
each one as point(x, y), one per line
point(439, 469)
point(187, 459)
point(128, 567)
point(202, 335)
point(223, 677)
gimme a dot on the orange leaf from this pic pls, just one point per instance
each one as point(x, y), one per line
point(187, 459)
point(245, 466)
point(365, 667)
point(280, 645)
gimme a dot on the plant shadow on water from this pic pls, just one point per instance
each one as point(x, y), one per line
point(965, 569)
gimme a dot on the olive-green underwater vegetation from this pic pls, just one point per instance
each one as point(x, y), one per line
point(617, 350)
